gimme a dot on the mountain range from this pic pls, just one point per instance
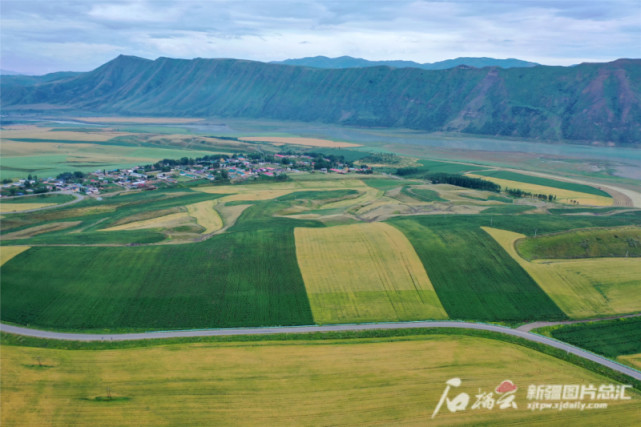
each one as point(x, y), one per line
point(350, 62)
point(592, 102)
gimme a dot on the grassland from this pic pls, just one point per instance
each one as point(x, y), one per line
point(472, 275)
point(582, 288)
point(346, 382)
point(311, 142)
point(588, 243)
point(610, 338)
point(546, 182)
point(364, 273)
point(562, 195)
point(8, 252)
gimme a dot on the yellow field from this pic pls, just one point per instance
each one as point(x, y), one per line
point(363, 273)
point(165, 221)
point(34, 132)
point(206, 216)
point(562, 196)
point(148, 120)
point(582, 288)
point(203, 213)
point(270, 191)
point(8, 252)
point(346, 382)
point(19, 207)
point(39, 229)
point(312, 142)
point(633, 360)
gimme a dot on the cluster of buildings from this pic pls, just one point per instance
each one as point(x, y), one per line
point(169, 172)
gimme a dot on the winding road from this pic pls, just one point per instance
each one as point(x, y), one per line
point(326, 328)
point(78, 198)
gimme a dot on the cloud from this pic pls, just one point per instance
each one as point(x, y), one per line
point(43, 36)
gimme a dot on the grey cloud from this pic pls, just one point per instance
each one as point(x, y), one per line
point(559, 31)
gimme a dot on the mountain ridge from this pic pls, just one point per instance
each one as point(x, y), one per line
point(351, 62)
point(584, 103)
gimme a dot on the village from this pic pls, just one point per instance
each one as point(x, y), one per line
point(218, 168)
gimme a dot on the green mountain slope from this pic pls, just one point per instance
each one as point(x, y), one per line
point(588, 102)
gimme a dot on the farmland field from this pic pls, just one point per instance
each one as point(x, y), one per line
point(582, 288)
point(8, 252)
point(364, 273)
point(587, 243)
point(206, 216)
point(313, 142)
point(242, 278)
point(562, 195)
point(473, 277)
point(331, 382)
point(546, 182)
point(19, 207)
point(610, 338)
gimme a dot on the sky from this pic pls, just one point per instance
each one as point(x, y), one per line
point(42, 36)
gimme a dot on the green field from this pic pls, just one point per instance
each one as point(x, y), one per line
point(41, 198)
point(546, 182)
point(241, 278)
point(422, 194)
point(472, 275)
point(610, 338)
point(508, 209)
point(582, 288)
point(48, 158)
point(586, 243)
point(357, 381)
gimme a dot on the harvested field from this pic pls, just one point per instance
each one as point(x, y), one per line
point(312, 142)
point(333, 382)
point(562, 195)
point(40, 229)
point(8, 252)
point(582, 288)
point(364, 273)
point(19, 207)
point(206, 216)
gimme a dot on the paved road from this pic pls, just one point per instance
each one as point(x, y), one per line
point(328, 328)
